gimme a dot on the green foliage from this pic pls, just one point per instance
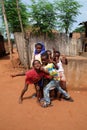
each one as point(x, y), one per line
point(12, 15)
point(42, 16)
point(80, 29)
point(67, 10)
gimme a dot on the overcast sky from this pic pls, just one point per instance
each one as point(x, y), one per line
point(80, 18)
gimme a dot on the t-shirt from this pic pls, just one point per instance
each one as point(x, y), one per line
point(60, 67)
point(33, 77)
point(52, 71)
point(36, 57)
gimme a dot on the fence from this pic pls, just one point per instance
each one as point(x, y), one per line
point(67, 46)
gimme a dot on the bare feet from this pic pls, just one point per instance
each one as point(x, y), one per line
point(20, 100)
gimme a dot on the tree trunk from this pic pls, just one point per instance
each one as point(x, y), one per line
point(7, 29)
point(26, 42)
point(19, 16)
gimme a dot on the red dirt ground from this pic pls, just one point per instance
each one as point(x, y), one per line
point(29, 115)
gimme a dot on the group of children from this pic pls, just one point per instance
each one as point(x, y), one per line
point(47, 74)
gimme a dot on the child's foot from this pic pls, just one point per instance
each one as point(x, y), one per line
point(45, 104)
point(34, 95)
point(69, 99)
point(20, 100)
point(39, 101)
point(59, 96)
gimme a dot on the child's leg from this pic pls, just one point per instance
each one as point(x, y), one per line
point(61, 90)
point(47, 91)
point(38, 92)
point(22, 93)
point(63, 85)
point(39, 89)
point(63, 81)
point(66, 95)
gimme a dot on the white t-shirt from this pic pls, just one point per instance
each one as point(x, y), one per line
point(60, 66)
point(36, 57)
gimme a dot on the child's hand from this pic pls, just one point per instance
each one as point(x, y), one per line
point(41, 68)
point(50, 60)
point(64, 60)
point(63, 56)
point(12, 75)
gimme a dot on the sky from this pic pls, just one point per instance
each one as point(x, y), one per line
point(80, 18)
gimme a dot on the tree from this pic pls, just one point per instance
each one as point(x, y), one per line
point(13, 10)
point(42, 16)
point(80, 29)
point(67, 10)
point(7, 29)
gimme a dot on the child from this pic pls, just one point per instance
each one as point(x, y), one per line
point(33, 76)
point(46, 80)
point(39, 49)
point(59, 61)
point(54, 82)
point(49, 55)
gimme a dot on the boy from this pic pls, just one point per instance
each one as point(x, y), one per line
point(59, 62)
point(33, 76)
point(54, 82)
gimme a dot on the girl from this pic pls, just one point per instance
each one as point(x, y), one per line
point(39, 49)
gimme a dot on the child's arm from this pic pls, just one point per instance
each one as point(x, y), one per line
point(64, 60)
point(54, 50)
point(44, 70)
point(52, 61)
point(19, 74)
point(55, 65)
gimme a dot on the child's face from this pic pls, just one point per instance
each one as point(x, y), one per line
point(37, 65)
point(57, 55)
point(38, 48)
point(44, 60)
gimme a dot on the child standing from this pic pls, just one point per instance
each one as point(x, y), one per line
point(59, 62)
point(39, 49)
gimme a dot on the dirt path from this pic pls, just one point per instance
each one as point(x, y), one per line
point(29, 115)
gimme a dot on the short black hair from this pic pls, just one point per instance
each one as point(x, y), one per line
point(38, 43)
point(49, 51)
point(35, 61)
point(45, 54)
point(57, 52)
